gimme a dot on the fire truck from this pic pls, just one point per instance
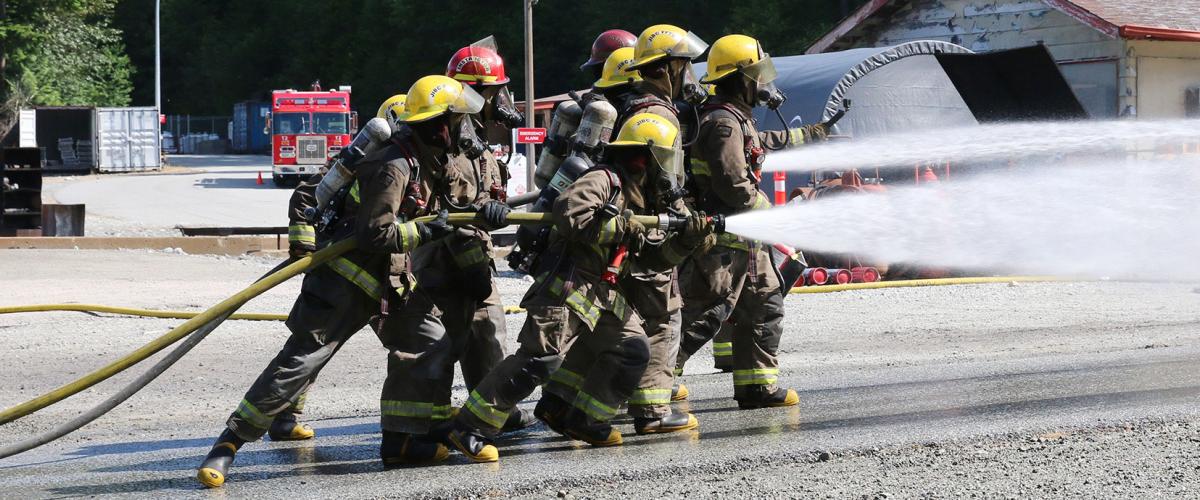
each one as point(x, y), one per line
point(307, 128)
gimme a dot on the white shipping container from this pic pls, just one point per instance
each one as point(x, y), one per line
point(127, 139)
point(27, 128)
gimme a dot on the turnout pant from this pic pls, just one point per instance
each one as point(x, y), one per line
point(329, 310)
point(621, 354)
point(652, 398)
point(489, 332)
point(426, 334)
point(722, 345)
point(739, 285)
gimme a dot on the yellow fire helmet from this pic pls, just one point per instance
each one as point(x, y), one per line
point(660, 136)
point(665, 40)
point(617, 70)
point(434, 95)
point(739, 54)
point(391, 108)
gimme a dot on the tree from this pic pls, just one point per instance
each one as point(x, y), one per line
point(60, 53)
point(218, 52)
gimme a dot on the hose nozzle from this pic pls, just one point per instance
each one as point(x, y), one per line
point(670, 222)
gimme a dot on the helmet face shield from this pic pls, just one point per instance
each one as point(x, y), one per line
point(690, 88)
point(690, 47)
point(761, 72)
point(488, 42)
point(468, 102)
point(669, 160)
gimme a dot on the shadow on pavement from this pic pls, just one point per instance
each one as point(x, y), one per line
point(235, 183)
point(363, 458)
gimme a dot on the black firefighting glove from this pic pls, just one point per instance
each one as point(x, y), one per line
point(494, 214)
point(299, 250)
point(437, 228)
point(632, 232)
point(698, 231)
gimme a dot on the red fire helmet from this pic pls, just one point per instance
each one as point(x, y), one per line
point(606, 43)
point(475, 65)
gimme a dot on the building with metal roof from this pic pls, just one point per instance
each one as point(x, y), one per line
point(1133, 58)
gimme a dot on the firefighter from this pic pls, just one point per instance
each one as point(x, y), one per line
point(336, 301)
point(604, 46)
point(433, 327)
point(736, 280)
point(571, 300)
point(617, 79)
point(392, 107)
point(480, 66)
point(654, 294)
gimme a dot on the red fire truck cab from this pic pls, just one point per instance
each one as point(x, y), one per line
point(307, 128)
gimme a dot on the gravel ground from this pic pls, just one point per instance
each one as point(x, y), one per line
point(1137, 459)
point(194, 190)
point(912, 392)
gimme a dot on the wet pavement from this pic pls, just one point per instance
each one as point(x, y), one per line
point(875, 369)
point(884, 407)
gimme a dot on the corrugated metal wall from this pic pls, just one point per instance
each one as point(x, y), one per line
point(1088, 56)
point(127, 139)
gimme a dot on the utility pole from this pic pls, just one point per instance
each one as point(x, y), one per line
point(530, 158)
point(158, 72)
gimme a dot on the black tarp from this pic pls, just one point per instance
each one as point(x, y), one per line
point(1018, 84)
point(922, 84)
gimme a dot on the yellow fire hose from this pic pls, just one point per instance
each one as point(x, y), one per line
point(158, 344)
point(226, 306)
point(154, 313)
point(197, 320)
point(130, 311)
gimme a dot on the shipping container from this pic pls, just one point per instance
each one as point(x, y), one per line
point(249, 134)
point(64, 133)
point(85, 139)
point(127, 139)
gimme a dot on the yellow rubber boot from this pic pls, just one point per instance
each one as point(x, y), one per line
point(399, 448)
point(215, 468)
point(286, 428)
point(473, 445)
point(578, 426)
point(760, 398)
point(679, 393)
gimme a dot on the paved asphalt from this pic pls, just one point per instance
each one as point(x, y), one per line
point(342, 462)
point(195, 191)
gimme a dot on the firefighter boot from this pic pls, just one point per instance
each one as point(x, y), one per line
point(517, 420)
point(473, 445)
point(577, 425)
point(552, 409)
point(679, 392)
point(215, 467)
point(286, 428)
point(676, 421)
point(402, 448)
point(759, 397)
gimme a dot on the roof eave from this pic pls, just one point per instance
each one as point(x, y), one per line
point(1084, 16)
point(1135, 32)
point(847, 24)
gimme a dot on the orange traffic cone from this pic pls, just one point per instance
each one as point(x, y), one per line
point(928, 175)
point(260, 182)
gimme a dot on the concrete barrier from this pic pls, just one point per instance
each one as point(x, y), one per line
point(209, 245)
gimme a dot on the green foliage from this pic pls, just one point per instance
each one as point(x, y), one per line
point(218, 52)
point(65, 52)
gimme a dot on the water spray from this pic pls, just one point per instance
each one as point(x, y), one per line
point(985, 143)
point(1119, 219)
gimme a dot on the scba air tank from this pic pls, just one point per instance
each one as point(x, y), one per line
point(595, 128)
point(558, 141)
